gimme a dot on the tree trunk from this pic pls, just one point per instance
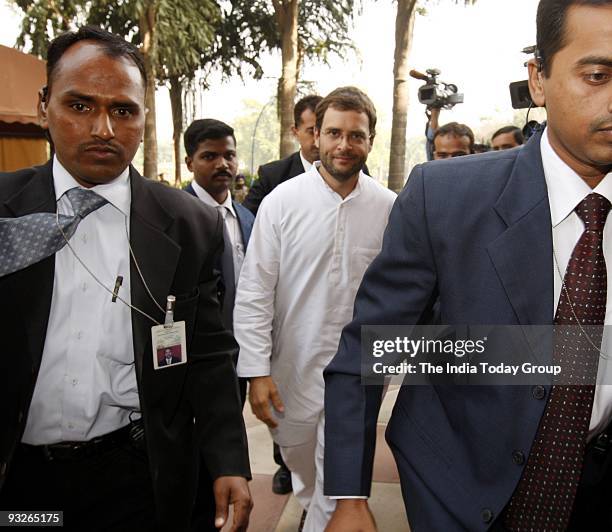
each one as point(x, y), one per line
point(176, 103)
point(404, 24)
point(147, 28)
point(287, 21)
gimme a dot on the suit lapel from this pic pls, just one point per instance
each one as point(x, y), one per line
point(522, 255)
point(35, 282)
point(190, 190)
point(244, 222)
point(157, 255)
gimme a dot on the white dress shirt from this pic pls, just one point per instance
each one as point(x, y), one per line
point(86, 385)
point(566, 189)
point(307, 255)
point(305, 162)
point(232, 225)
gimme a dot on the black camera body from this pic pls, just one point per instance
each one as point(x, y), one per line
point(435, 93)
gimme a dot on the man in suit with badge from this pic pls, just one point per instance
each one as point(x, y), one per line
point(100, 265)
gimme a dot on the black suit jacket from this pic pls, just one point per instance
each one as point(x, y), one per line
point(273, 174)
point(173, 360)
point(176, 240)
point(270, 176)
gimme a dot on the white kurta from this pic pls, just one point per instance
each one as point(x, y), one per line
point(307, 255)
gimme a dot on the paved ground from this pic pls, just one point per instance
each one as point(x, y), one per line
point(281, 513)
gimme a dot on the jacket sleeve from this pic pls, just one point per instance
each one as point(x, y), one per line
point(213, 384)
point(258, 191)
point(399, 287)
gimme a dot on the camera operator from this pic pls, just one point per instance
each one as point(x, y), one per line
point(437, 95)
point(452, 140)
point(433, 116)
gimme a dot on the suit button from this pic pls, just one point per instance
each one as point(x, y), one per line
point(518, 457)
point(538, 392)
point(2, 469)
point(20, 417)
point(486, 515)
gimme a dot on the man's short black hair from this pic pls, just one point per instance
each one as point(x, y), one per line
point(516, 132)
point(551, 27)
point(111, 44)
point(307, 102)
point(457, 130)
point(204, 129)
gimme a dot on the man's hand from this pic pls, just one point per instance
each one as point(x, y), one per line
point(232, 490)
point(262, 392)
point(352, 515)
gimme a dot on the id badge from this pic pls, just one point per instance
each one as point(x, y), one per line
point(169, 345)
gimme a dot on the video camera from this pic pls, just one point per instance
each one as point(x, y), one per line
point(436, 94)
point(521, 98)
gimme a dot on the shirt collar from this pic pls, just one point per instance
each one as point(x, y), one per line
point(305, 163)
point(212, 202)
point(566, 188)
point(117, 192)
point(314, 171)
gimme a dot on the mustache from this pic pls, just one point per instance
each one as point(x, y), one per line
point(101, 146)
point(601, 123)
point(222, 173)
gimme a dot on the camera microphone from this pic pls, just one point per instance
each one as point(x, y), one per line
point(418, 75)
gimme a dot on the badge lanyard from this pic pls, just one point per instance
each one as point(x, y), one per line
point(114, 293)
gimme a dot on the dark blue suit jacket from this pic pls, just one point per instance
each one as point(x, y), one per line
point(227, 288)
point(473, 234)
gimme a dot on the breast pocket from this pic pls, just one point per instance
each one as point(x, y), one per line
point(361, 258)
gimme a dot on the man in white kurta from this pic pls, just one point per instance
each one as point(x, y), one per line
point(314, 237)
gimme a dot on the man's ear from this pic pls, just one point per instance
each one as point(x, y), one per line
point(294, 130)
point(372, 137)
point(188, 162)
point(41, 108)
point(317, 134)
point(536, 87)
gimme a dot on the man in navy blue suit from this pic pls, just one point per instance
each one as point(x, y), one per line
point(211, 156)
point(487, 239)
point(210, 146)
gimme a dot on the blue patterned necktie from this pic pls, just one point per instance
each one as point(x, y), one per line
point(29, 239)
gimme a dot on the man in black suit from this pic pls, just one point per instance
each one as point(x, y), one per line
point(273, 174)
point(168, 359)
point(87, 419)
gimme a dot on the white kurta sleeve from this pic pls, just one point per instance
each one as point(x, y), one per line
point(255, 295)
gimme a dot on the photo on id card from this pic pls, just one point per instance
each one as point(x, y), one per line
point(169, 345)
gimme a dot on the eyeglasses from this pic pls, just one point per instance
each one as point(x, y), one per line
point(354, 138)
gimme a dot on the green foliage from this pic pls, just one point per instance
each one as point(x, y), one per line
point(42, 20)
point(188, 33)
point(323, 25)
point(265, 140)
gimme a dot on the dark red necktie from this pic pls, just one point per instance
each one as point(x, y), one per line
point(544, 497)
